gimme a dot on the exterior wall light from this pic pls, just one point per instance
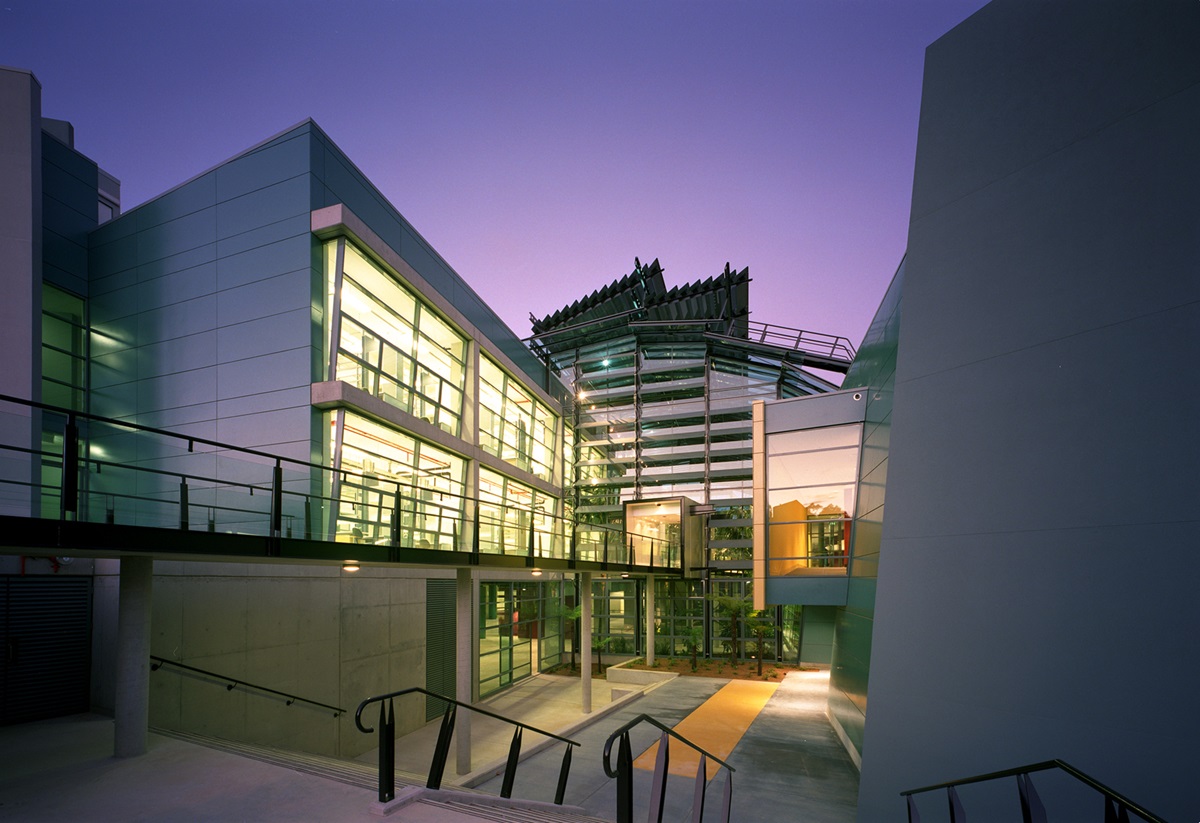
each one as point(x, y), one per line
point(350, 566)
point(536, 572)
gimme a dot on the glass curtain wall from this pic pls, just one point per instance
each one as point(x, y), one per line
point(507, 511)
point(811, 480)
point(520, 631)
point(393, 346)
point(389, 472)
point(64, 379)
point(513, 425)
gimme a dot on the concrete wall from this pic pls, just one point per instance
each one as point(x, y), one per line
point(1036, 579)
point(312, 631)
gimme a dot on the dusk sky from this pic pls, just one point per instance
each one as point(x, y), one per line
point(539, 146)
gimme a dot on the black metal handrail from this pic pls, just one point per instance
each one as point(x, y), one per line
point(232, 682)
point(387, 744)
point(1116, 805)
point(624, 774)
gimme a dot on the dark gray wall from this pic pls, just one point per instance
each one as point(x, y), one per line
point(1036, 581)
point(20, 263)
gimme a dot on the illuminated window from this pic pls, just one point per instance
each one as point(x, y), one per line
point(506, 511)
point(513, 425)
point(390, 477)
point(811, 478)
point(394, 347)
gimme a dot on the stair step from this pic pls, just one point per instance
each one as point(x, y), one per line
point(498, 812)
point(350, 772)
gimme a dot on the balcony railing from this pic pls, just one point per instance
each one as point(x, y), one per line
point(65, 465)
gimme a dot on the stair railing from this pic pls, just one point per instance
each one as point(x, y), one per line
point(1116, 806)
point(437, 766)
point(658, 791)
point(232, 682)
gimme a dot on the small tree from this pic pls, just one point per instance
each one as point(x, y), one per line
point(761, 627)
point(573, 614)
point(599, 644)
point(736, 609)
point(693, 643)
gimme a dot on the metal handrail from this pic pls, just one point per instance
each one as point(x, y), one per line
point(1030, 804)
point(562, 528)
point(624, 773)
point(437, 766)
point(291, 698)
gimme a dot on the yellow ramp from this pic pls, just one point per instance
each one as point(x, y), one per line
point(716, 726)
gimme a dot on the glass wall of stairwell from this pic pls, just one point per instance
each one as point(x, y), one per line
point(663, 381)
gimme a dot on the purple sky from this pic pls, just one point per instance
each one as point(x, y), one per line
point(539, 146)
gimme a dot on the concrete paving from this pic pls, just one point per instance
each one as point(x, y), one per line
point(789, 764)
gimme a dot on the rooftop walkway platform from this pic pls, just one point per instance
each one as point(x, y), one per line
point(789, 765)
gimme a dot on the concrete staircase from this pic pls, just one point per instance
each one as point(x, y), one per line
point(414, 803)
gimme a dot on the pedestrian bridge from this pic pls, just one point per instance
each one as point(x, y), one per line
point(78, 484)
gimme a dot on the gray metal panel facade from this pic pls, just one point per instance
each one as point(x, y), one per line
point(1037, 568)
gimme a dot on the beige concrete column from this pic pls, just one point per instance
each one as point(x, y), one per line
point(132, 709)
point(466, 659)
point(585, 639)
point(649, 620)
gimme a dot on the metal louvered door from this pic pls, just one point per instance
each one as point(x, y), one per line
point(440, 656)
point(46, 628)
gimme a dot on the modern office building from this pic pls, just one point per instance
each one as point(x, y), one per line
point(994, 510)
point(279, 306)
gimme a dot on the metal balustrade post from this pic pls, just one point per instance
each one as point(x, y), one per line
point(563, 773)
point(727, 799)
point(183, 504)
point(957, 813)
point(307, 517)
point(510, 767)
point(438, 765)
point(1032, 810)
point(658, 789)
point(387, 752)
point(395, 524)
point(276, 506)
point(698, 794)
point(624, 781)
point(68, 501)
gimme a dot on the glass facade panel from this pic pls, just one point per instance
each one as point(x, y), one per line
point(811, 479)
point(390, 475)
point(511, 514)
point(520, 631)
point(394, 347)
point(513, 424)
